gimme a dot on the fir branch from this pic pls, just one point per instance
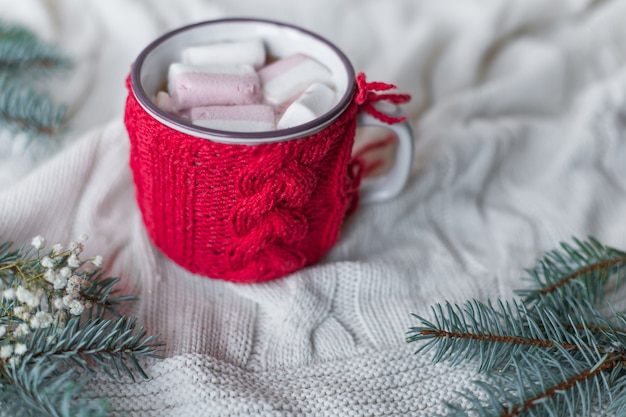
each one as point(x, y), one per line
point(103, 294)
point(54, 320)
point(579, 271)
point(24, 59)
point(558, 353)
point(22, 53)
point(542, 383)
point(46, 391)
point(24, 108)
point(112, 344)
point(489, 333)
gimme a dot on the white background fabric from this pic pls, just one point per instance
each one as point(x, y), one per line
point(520, 119)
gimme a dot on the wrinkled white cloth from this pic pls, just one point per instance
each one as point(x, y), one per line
point(519, 112)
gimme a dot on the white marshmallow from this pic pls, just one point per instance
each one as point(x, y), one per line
point(286, 78)
point(316, 100)
point(246, 118)
point(251, 52)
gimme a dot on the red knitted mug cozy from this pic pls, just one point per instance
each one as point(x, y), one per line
point(246, 213)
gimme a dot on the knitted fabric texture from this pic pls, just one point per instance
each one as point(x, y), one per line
point(238, 212)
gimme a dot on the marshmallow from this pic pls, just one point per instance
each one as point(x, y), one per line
point(164, 102)
point(193, 86)
point(287, 77)
point(247, 118)
point(316, 100)
point(251, 52)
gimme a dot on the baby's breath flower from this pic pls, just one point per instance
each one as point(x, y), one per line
point(33, 302)
point(50, 275)
point(20, 349)
point(3, 331)
point(97, 261)
point(8, 294)
point(74, 285)
point(67, 299)
point(47, 262)
point(57, 249)
point(76, 307)
point(22, 312)
point(76, 247)
point(44, 318)
point(59, 283)
point(22, 329)
point(83, 237)
point(65, 272)
point(6, 351)
point(23, 295)
point(38, 242)
point(58, 303)
point(73, 261)
point(14, 361)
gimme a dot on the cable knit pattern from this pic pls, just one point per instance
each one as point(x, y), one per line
point(238, 212)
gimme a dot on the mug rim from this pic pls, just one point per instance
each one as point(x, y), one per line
point(251, 138)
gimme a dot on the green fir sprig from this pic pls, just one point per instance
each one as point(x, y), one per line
point(60, 321)
point(558, 351)
point(24, 61)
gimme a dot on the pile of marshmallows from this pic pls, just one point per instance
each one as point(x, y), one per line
point(229, 86)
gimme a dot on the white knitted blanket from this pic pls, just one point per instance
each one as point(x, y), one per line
point(520, 117)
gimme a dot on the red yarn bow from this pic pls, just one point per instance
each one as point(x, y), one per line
point(367, 96)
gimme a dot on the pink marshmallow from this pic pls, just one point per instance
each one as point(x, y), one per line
point(245, 118)
point(191, 86)
point(288, 77)
point(316, 100)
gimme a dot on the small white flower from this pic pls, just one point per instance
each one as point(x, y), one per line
point(33, 302)
point(58, 303)
point(47, 262)
point(22, 312)
point(44, 319)
point(3, 331)
point(76, 307)
point(14, 361)
point(97, 261)
point(22, 329)
point(8, 294)
point(76, 247)
point(73, 261)
point(59, 283)
point(23, 295)
point(38, 242)
point(20, 349)
point(67, 299)
point(65, 272)
point(57, 249)
point(6, 351)
point(74, 284)
point(83, 237)
point(50, 275)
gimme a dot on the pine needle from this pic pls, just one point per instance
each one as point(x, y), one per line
point(556, 353)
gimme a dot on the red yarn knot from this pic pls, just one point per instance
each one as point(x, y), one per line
point(367, 96)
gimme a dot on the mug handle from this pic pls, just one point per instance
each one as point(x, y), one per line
point(388, 186)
